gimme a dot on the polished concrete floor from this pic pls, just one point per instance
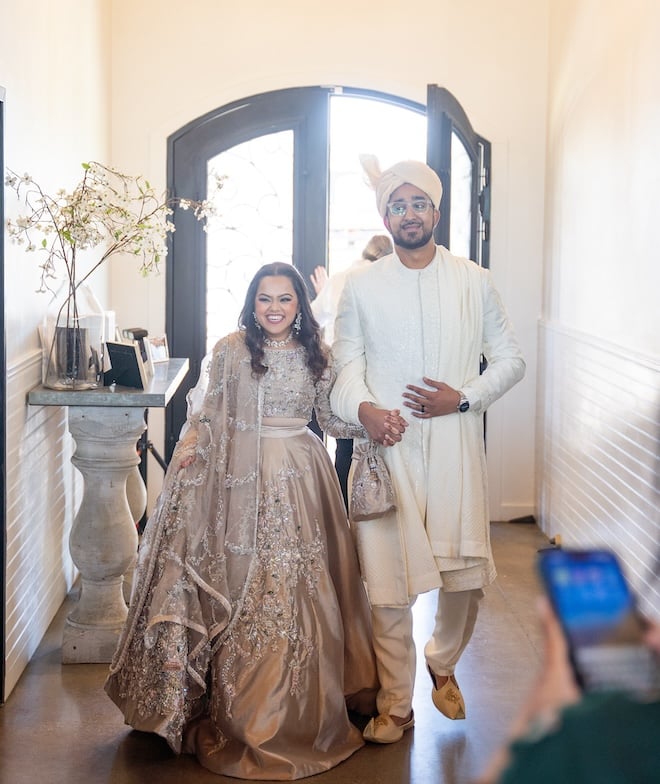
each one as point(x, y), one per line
point(58, 727)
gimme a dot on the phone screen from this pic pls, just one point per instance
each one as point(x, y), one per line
point(597, 611)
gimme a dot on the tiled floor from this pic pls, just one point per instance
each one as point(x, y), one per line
point(58, 727)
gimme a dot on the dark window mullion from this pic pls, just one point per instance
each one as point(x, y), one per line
point(311, 178)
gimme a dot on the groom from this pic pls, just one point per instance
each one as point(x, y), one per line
point(410, 332)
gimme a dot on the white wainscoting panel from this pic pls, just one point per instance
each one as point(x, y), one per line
point(598, 447)
point(43, 491)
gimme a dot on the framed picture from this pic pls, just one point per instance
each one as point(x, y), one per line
point(157, 349)
point(127, 369)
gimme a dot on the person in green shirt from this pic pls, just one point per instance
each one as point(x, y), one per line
point(564, 736)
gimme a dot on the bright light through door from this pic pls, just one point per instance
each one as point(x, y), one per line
point(254, 227)
point(363, 125)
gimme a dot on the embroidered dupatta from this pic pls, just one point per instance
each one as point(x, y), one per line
point(187, 592)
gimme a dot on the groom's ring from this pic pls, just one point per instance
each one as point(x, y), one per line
point(423, 408)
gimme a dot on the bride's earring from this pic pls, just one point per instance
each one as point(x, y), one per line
point(297, 324)
point(256, 321)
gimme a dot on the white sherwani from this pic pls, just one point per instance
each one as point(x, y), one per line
point(394, 326)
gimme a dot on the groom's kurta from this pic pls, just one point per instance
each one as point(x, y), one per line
point(394, 326)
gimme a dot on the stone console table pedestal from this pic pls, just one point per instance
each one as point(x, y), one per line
point(106, 424)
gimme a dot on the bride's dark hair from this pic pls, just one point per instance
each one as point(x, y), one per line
point(309, 335)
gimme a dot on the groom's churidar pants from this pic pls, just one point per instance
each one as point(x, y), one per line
point(395, 647)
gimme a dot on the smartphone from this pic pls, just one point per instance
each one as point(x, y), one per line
point(598, 614)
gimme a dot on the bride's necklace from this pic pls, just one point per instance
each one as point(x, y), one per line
point(279, 343)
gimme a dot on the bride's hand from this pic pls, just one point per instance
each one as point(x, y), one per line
point(187, 460)
point(185, 451)
point(384, 426)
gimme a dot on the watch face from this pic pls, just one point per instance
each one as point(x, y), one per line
point(464, 406)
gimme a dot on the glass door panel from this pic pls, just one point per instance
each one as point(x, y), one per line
point(460, 225)
point(254, 224)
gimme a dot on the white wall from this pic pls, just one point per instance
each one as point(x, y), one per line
point(171, 66)
point(599, 412)
point(54, 65)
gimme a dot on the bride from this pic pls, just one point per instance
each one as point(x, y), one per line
point(248, 635)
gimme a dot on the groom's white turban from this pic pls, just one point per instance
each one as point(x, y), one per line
point(414, 172)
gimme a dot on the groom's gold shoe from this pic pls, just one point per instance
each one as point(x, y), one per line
point(383, 728)
point(448, 698)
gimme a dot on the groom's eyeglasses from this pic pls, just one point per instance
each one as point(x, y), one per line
point(399, 208)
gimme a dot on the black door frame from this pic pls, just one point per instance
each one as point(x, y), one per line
point(447, 116)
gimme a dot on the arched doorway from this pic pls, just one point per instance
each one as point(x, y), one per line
point(295, 192)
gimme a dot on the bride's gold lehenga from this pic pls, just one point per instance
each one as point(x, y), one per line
point(248, 631)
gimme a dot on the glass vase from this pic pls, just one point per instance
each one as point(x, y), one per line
point(72, 340)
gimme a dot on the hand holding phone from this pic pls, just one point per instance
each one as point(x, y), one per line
point(597, 613)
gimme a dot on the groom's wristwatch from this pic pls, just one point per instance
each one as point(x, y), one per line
point(463, 403)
